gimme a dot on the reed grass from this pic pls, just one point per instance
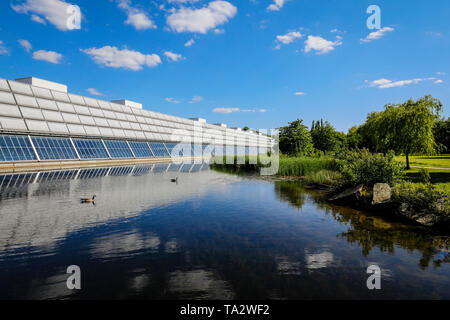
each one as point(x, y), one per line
point(288, 166)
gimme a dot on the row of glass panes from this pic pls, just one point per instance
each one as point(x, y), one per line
point(20, 148)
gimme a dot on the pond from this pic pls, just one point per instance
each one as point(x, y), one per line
point(211, 235)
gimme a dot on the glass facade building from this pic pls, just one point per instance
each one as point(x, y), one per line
point(41, 121)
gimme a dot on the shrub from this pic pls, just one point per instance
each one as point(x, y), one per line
point(424, 175)
point(288, 166)
point(362, 167)
point(422, 196)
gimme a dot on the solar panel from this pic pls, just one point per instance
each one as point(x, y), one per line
point(118, 149)
point(141, 149)
point(90, 149)
point(54, 148)
point(159, 150)
point(16, 148)
point(179, 150)
point(170, 147)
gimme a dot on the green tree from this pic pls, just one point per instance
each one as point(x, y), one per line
point(405, 128)
point(354, 138)
point(324, 136)
point(341, 140)
point(295, 139)
point(442, 135)
point(245, 128)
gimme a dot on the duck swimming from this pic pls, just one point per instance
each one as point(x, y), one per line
point(88, 200)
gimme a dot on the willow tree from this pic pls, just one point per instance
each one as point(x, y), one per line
point(442, 135)
point(406, 127)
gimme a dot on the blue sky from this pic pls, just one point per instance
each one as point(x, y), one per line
point(259, 63)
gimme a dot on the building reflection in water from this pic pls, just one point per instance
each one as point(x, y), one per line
point(37, 209)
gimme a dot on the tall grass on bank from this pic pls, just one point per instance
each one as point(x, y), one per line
point(323, 177)
point(302, 166)
point(288, 166)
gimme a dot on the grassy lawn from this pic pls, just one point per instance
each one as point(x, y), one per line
point(440, 178)
point(442, 161)
point(304, 166)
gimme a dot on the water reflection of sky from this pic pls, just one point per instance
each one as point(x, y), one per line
point(318, 260)
point(38, 209)
point(211, 236)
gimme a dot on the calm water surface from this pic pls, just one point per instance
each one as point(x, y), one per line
point(211, 236)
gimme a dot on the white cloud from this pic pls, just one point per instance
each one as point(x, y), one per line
point(288, 38)
point(94, 92)
point(172, 100)
point(136, 17)
point(173, 56)
point(263, 24)
point(434, 34)
point(276, 5)
point(226, 110)
point(56, 12)
point(440, 73)
point(3, 49)
point(231, 110)
point(37, 19)
point(49, 56)
point(127, 59)
point(201, 20)
point(438, 81)
point(219, 31)
point(321, 45)
point(189, 43)
point(196, 99)
point(376, 34)
point(26, 45)
point(182, 1)
point(380, 82)
point(386, 83)
point(299, 93)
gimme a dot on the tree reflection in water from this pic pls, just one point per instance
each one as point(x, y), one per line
point(369, 231)
point(291, 192)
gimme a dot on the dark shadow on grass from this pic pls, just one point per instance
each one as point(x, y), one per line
point(436, 177)
point(434, 158)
